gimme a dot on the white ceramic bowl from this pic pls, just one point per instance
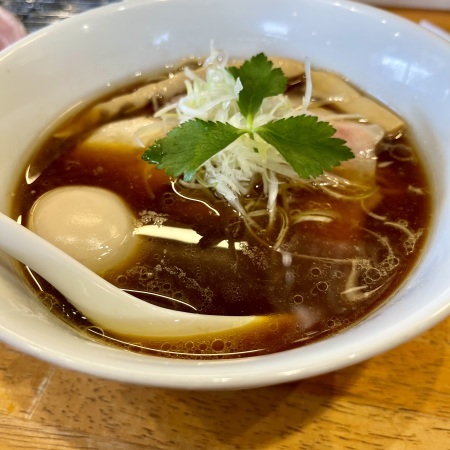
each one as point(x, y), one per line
point(63, 66)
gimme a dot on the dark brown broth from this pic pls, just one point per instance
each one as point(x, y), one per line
point(304, 281)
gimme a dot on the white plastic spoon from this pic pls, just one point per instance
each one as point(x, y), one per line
point(105, 305)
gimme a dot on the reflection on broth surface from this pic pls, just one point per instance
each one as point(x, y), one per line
point(331, 252)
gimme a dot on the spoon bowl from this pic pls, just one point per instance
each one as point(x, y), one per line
point(105, 305)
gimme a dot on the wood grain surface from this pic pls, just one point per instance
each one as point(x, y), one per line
point(399, 400)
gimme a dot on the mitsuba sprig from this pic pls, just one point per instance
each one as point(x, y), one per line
point(306, 143)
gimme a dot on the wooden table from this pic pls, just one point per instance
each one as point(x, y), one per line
point(397, 401)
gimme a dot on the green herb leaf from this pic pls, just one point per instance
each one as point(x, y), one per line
point(187, 147)
point(259, 80)
point(306, 144)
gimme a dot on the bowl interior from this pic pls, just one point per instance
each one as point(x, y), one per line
point(61, 69)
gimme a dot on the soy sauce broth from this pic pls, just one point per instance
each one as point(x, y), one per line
point(325, 276)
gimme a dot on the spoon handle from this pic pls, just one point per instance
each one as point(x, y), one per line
point(104, 304)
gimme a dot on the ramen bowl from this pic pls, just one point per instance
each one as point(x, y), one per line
point(50, 74)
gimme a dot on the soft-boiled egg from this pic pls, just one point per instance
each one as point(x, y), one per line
point(91, 224)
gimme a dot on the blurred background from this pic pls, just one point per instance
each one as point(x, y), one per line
point(35, 14)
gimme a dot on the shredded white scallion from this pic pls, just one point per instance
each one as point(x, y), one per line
point(308, 91)
point(232, 171)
